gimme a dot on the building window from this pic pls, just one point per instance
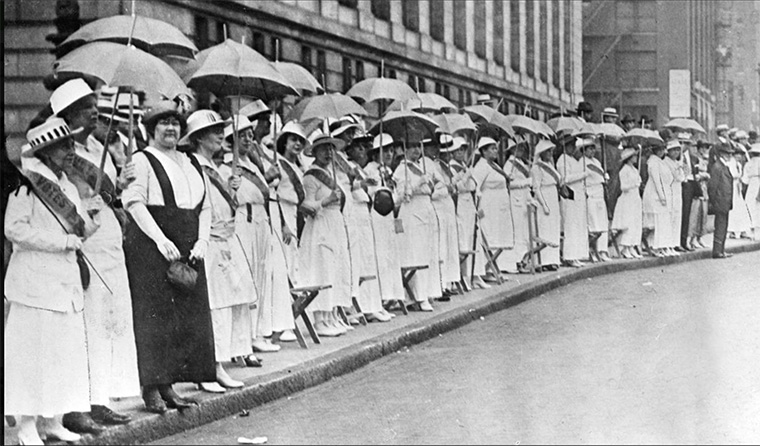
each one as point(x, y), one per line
point(438, 88)
point(321, 73)
point(480, 28)
point(530, 39)
point(347, 74)
point(220, 32)
point(543, 40)
point(461, 100)
point(259, 44)
point(514, 34)
point(381, 9)
point(201, 32)
point(348, 3)
point(638, 16)
point(411, 14)
point(437, 22)
point(460, 29)
point(447, 91)
point(555, 44)
point(358, 71)
point(637, 69)
point(568, 45)
point(275, 49)
point(498, 32)
point(390, 73)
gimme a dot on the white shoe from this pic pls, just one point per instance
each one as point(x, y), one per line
point(387, 313)
point(425, 306)
point(264, 346)
point(478, 282)
point(212, 387)
point(377, 317)
point(288, 336)
point(325, 330)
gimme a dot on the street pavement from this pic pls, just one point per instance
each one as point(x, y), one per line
point(660, 355)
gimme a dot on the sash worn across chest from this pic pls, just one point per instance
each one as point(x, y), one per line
point(52, 195)
point(325, 179)
point(414, 168)
point(221, 186)
point(87, 171)
point(293, 176)
point(520, 167)
point(457, 168)
point(551, 171)
point(257, 181)
point(445, 168)
point(596, 169)
point(498, 170)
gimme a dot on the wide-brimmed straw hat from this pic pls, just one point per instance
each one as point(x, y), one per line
point(584, 142)
point(446, 143)
point(755, 148)
point(458, 143)
point(68, 94)
point(255, 109)
point(673, 144)
point(291, 128)
point(241, 122)
point(627, 153)
point(542, 146)
point(201, 120)
point(46, 134)
point(323, 140)
point(485, 142)
point(385, 139)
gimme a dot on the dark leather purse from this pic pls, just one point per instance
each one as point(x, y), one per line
point(383, 202)
point(565, 192)
point(182, 276)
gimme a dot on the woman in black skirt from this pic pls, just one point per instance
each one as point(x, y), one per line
point(171, 221)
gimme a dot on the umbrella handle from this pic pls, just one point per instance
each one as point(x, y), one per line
point(382, 155)
point(99, 180)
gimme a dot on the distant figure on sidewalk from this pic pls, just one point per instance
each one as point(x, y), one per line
point(720, 189)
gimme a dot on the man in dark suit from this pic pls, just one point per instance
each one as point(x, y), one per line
point(690, 189)
point(720, 195)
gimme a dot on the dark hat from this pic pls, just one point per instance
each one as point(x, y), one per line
point(160, 110)
point(628, 118)
point(585, 107)
point(724, 147)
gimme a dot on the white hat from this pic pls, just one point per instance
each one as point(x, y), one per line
point(542, 146)
point(446, 143)
point(385, 139)
point(51, 131)
point(323, 139)
point(584, 142)
point(741, 134)
point(254, 109)
point(458, 143)
point(69, 93)
point(673, 144)
point(755, 148)
point(200, 120)
point(292, 128)
point(485, 142)
point(241, 121)
point(610, 111)
point(684, 136)
point(721, 128)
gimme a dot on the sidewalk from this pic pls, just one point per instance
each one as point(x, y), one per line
point(294, 369)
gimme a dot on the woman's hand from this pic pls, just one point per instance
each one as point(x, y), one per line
point(368, 182)
point(481, 213)
point(94, 205)
point(73, 243)
point(168, 249)
point(234, 181)
point(272, 174)
point(128, 174)
point(547, 211)
point(335, 196)
point(287, 235)
point(199, 250)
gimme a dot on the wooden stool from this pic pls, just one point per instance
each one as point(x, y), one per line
point(407, 273)
point(362, 318)
point(302, 297)
point(492, 254)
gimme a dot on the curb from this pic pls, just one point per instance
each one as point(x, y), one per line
point(316, 371)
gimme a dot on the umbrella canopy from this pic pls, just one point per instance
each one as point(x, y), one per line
point(233, 69)
point(381, 88)
point(425, 102)
point(585, 128)
point(610, 130)
point(298, 76)
point(153, 36)
point(529, 125)
point(406, 125)
point(453, 122)
point(685, 124)
point(333, 105)
point(122, 66)
point(565, 124)
point(491, 117)
point(643, 136)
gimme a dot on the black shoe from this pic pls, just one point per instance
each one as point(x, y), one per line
point(681, 249)
point(104, 415)
point(445, 298)
point(81, 423)
point(252, 361)
point(549, 267)
point(153, 401)
point(174, 401)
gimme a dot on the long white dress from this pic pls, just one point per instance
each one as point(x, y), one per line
point(545, 179)
point(386, 243)
point(656, 215)
point(289, 202)
point(466, 215)
point(676, 210)
point(574, 212)
point(519, 195)
point(323, 249)
point(445, 210)
point(228, 275)
point(419, 238)
point(627, 216)
point(45, 346)
point(751, 177)
point(497, 222)
point(111, 348)
point(597, 207)
point(738, 218)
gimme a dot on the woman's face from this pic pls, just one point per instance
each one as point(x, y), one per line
point(414, 152)
point(293, 146)
point(546, 156)
point(459, 154)
point(659, 152)
point(388, 154)
point(323, 155)
point(167, 132)
point(211, 139)
point(490, 153)
point(61, 156)
point(246, 140)
point(84, 115)
point(674, 154)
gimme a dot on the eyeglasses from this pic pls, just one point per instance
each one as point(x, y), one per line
point(168, 122)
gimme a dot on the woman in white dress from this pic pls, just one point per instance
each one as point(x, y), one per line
point(323, 250)
point(676, 166)
point(627, 218)
point(574, 211)
point(494, 204)
point(656, 202)
point(546, 179)
point(751, 177)
point(45, 345)
point(739, 221)
point(598, 223)
point(230, 282)
point(518, 170)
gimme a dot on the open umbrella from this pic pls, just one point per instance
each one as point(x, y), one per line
point(491, 117)
point(298, 76)
point(122, 66)
point(685, 124)
point(565, 124)
point(375, 88)
point(530, 125)
point(453, 122)
point(153, 36)
point(643, 137)
point(332, 105)
point(425, 102)
point(406, 125)
point(609, 129)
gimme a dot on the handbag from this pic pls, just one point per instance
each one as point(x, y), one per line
point(565, 192)
point(84, 270)
point(182, 276)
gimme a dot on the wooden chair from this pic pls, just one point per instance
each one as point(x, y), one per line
point(302, 297)
point(360, 313)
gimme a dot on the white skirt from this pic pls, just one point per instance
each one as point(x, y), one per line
point(45, 362)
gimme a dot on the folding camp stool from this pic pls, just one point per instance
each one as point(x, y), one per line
point(359, 312)
point(302, 297)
